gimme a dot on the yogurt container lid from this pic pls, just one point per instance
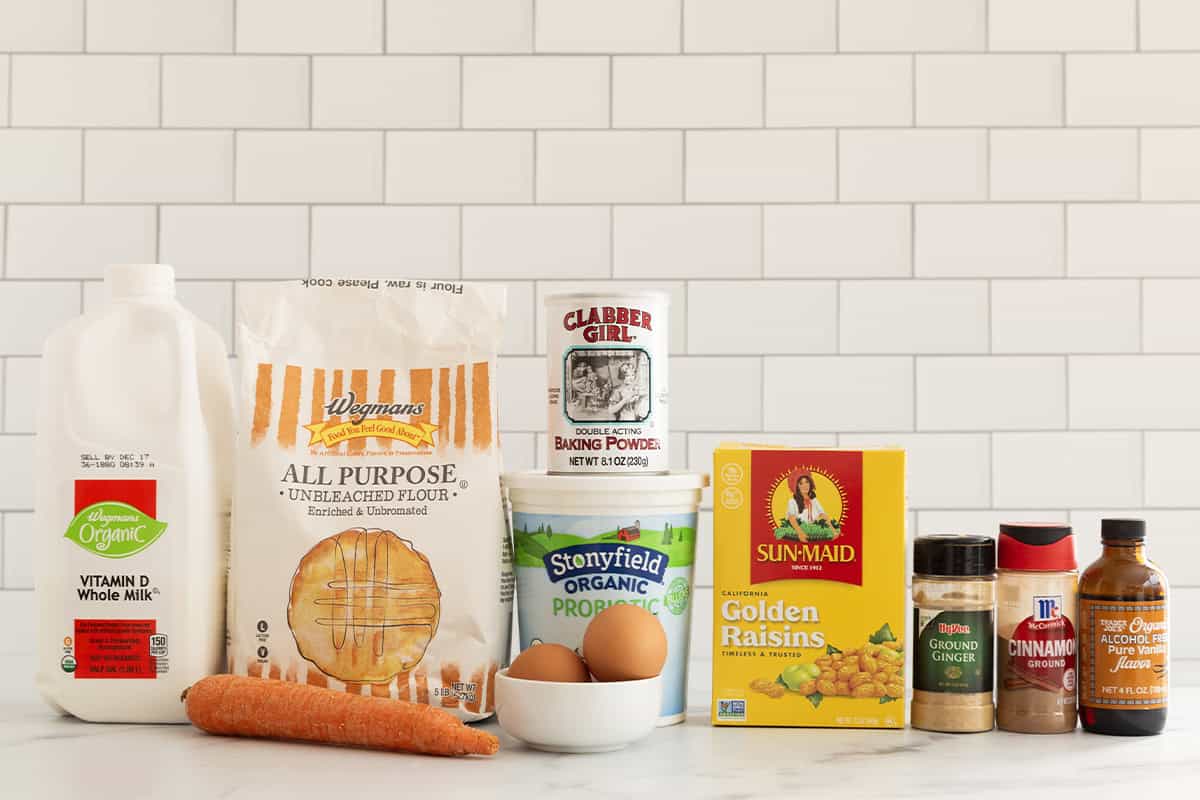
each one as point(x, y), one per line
point(655, 293)
point(539, 480)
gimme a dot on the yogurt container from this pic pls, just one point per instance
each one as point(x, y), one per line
point(583, 543)
point(606, 360)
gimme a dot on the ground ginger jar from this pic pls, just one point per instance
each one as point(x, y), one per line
point(954, 606)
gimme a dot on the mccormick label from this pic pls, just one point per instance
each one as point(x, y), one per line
point(1125, 644)
point(607, 381)
point(1040, 653)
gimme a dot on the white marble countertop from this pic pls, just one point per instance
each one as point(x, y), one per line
point(43, 755)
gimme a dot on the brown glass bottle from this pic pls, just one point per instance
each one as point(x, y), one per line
point(1123, 636)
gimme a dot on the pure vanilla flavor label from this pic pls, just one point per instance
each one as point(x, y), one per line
point(1126, 648)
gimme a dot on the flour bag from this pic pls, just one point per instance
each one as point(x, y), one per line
point(370, 551)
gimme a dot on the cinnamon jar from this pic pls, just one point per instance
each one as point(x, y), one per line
point(1036, 621)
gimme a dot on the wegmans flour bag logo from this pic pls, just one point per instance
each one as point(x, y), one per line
point(370, 551)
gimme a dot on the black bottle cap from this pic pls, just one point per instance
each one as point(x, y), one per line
point(1038, 534)
point(954, 554)
point(1131, 529)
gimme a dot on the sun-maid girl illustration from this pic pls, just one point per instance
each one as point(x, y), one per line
point(804, 507)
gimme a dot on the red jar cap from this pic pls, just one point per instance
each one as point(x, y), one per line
point(1036, 547)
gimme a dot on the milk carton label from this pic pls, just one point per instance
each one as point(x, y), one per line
point(607, 379)
point(570, 567)
point(116, 598)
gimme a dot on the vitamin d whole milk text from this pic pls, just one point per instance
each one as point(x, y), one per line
point(134, 448)
point(607, 380)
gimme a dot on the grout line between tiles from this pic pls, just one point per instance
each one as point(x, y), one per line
point(8, 99)
point(913, 373)
point(1141, 305)
point(912, 96)
point(160, 91)
point(603, 202)
point(1137, 26)
point(1138, 167)
point(612, 242)
point(837, 26)
point(611, 89)
point(912, 240)
point(1067, 391)
point(762, 243)
point(762, 98)
point(83, 134)
point(462, 68)
point(651, 128)
point(310, 241)
point(987, 165)
point(461, 267)
point(233, 300)
point(683, 135)
point(1062, 88)
point(1066, 241)
point(536, 135)
point(987, 25)
point(762, 392)
point(1141, 472)
point(594, 54)
point(682, 26)
point(837, 166)
point(987, 311)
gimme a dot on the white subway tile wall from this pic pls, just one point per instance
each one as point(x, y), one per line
point(969, 227)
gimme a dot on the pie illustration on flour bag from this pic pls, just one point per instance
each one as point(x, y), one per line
point(370, 550)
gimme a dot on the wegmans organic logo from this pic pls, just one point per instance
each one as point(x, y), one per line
point(357, 426)
point(114, 530)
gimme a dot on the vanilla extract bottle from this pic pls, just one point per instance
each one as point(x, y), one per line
point(1123, 636)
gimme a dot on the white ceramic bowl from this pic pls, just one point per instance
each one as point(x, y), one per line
point(577, 717)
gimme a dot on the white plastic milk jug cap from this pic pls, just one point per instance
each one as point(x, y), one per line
point(140, 280)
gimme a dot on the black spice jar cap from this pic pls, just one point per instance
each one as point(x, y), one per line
point(1038, 534)
point(1130, 529)
point(954, 554)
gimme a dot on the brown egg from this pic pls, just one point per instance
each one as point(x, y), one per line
point(549, 662)
point(625, 643)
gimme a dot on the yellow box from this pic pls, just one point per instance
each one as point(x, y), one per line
point(809, 571)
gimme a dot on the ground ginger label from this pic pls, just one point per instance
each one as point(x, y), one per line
point(1127, 645)
point(954, 650)
point(809, 616)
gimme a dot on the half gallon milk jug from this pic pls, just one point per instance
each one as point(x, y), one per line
point(134, 452)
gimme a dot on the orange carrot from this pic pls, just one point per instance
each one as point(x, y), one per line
point(232, 705)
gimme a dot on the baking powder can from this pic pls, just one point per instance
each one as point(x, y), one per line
point(606, 357)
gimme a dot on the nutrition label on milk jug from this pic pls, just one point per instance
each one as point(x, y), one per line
point(607, 380)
